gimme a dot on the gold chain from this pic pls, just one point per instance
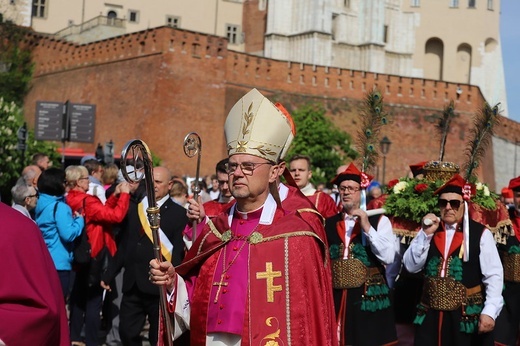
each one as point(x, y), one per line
point(224, 269)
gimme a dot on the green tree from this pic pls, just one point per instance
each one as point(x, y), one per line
point(16, 70)
point(317, 137)
point(16, 66)
point(12, 160)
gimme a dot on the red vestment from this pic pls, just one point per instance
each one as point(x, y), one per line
point(289, 290)
point(32, 308)
point(324, 204)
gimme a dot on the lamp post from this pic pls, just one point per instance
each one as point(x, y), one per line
point(385, 147)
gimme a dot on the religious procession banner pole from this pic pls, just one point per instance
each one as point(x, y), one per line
point(136, 164)
point(193, 146)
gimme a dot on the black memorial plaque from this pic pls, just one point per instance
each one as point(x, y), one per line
point(82, 122)
point(48, 120)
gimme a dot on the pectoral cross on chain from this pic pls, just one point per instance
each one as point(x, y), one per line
point(219, 284)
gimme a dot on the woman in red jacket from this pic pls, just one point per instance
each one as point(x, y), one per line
point(86, 296)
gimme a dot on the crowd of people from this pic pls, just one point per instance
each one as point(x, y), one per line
point(261, 257)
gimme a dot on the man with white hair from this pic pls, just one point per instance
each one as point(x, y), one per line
point(258, 273)
point(24, 197)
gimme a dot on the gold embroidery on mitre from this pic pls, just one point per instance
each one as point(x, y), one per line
point(248, 118)
point(271, 338)
point(266, 151)
point(269, 276)
point(241, 146)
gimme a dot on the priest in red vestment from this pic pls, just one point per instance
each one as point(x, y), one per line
point(300, 168)
point(258, 274)
point(32, 308)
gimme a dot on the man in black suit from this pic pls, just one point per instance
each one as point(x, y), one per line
point(140, 296)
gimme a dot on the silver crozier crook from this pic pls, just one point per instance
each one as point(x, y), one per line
point(192, 147)
point(134, 171)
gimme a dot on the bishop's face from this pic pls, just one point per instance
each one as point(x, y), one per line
point(451, 206)
point(249, 178)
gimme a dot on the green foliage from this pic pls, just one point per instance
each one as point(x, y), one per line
point(317, 137)
point(12, 160)
point(156, 160)
point(411, 199)
point(16, 66)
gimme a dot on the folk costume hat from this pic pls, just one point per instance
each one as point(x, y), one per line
point(255, 126)
point(354, 174)
point(514, 185)
point(417, 168)
point(458, 185)
point(507, 192)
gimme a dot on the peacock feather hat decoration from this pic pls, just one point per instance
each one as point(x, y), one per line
point(480, 136)
point(373, 118)
point(440, 170)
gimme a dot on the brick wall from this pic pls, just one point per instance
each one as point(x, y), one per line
point(160, 84)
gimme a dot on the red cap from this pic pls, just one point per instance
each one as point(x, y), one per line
point(353, 173)
point(458, 185)
point(507, 192)
point(418, 168)
point(514, 184)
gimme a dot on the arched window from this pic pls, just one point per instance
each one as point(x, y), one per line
point(463, 67)
point(112, 14)
point(433, 59)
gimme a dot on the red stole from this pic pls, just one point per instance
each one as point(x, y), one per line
point(439, 239)
point(341, 229)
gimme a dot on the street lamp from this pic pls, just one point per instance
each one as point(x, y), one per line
point(385, 147)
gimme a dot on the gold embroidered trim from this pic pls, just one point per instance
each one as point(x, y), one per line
point(289, 235)
point(287, 292)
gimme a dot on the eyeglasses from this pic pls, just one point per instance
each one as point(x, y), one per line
point(349, 189)
point(83, 178)
point(35, 195)
point(246, 167)
point(454, 203)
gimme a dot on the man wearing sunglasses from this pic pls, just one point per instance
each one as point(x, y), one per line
point(463, 274)
point(24, 197)
point(258, 273)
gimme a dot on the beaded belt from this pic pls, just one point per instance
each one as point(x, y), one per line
point(511, 263)
point(350, 273)
point(447, 294)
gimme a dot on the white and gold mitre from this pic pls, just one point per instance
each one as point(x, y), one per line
point(255, 126)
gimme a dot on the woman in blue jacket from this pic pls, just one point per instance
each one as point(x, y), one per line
point(58, 225)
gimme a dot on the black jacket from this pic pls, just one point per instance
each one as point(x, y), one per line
point(135, 249)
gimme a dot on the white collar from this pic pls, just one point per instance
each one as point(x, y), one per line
point(267, 213)
point(308, 190)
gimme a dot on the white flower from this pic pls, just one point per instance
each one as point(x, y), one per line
point(486, 191)
point(400, 186)
point(8, 159)
point(479, 186)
